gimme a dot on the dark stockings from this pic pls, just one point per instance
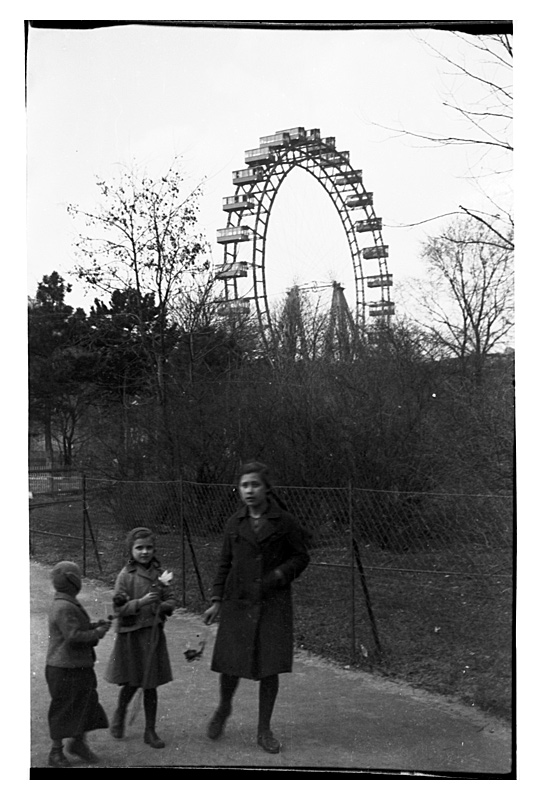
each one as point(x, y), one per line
point(227, 687)
point(268, 690)
point(150, 708)
point(149, 700)
point(126, 693)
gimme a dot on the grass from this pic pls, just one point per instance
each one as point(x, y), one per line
point(444, 632)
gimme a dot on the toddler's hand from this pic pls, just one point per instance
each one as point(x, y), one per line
point(101, 630)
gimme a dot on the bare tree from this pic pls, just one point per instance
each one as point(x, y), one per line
point(480, 104)
point(468, 292)
point(143, 239)
point(487, 113)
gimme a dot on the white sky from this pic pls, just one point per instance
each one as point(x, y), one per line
point(105, 97)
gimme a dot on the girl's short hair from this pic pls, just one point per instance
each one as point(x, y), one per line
point(138, 533)
point(259, 468)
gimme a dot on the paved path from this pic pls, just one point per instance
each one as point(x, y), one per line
point(325, 716)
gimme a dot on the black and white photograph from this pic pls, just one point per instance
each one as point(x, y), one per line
point(271, 399)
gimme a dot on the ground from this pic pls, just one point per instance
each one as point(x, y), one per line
point(327, 718)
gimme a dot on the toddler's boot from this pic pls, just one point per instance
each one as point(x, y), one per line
point(57, 757)
point(78, 747)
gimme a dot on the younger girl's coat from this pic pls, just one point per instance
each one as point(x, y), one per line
point(140, 653)
point(134, 581)
point(255, 634)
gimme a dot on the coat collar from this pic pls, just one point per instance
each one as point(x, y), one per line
point(66, 596)
point(245, 529)
point(150, 573)
point(273, 511)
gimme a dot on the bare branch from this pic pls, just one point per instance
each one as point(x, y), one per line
point(507, 242)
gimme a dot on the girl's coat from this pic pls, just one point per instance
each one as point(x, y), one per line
point(135, 581)
point(136, 639)
point(255, 634)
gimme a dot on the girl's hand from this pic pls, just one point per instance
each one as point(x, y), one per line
point(211, 613)
point(102, 629)
point(148, 599)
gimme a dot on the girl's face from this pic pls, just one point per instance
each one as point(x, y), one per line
point(143, 551)
point(253, 491)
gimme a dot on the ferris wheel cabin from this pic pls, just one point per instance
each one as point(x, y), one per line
point(236, 269)
point(379, 251)
point(370, 224)
point(350, 178)
point(293, 133)
point(383, 308)
point(238, 202)
point(240, 233)
point(336, 157)
point(360, 200)
point(233, 308)
point(241, 176)
point(259, 155)
point(376, 281)
point(275, 140)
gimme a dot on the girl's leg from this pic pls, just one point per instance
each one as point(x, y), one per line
point(227, 687)
point(119, 718)
point(268, 690)
point(150, 713)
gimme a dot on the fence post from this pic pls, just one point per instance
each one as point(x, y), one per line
point(375, 632)
point(353, 594)
point(84, 523)
point(183, 542)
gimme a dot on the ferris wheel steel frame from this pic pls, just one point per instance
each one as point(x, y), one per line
point(257, 187)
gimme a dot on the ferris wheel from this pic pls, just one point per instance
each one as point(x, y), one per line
point(243, 270)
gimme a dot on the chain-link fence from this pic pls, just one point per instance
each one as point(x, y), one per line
point(419, 586)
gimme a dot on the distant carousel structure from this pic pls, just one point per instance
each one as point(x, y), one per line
point(247, 226)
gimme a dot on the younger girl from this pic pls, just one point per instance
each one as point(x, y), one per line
point(139, 658)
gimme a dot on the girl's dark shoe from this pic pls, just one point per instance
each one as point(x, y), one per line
point(268, 742)
point(217, 723)
point(58, 759)
point(78, 747)
point(151, 738)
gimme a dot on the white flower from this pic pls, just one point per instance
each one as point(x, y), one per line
point(166, 577)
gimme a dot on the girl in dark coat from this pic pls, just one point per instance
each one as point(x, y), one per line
point(69, 669)
point(143, 599)
point(264, 550)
